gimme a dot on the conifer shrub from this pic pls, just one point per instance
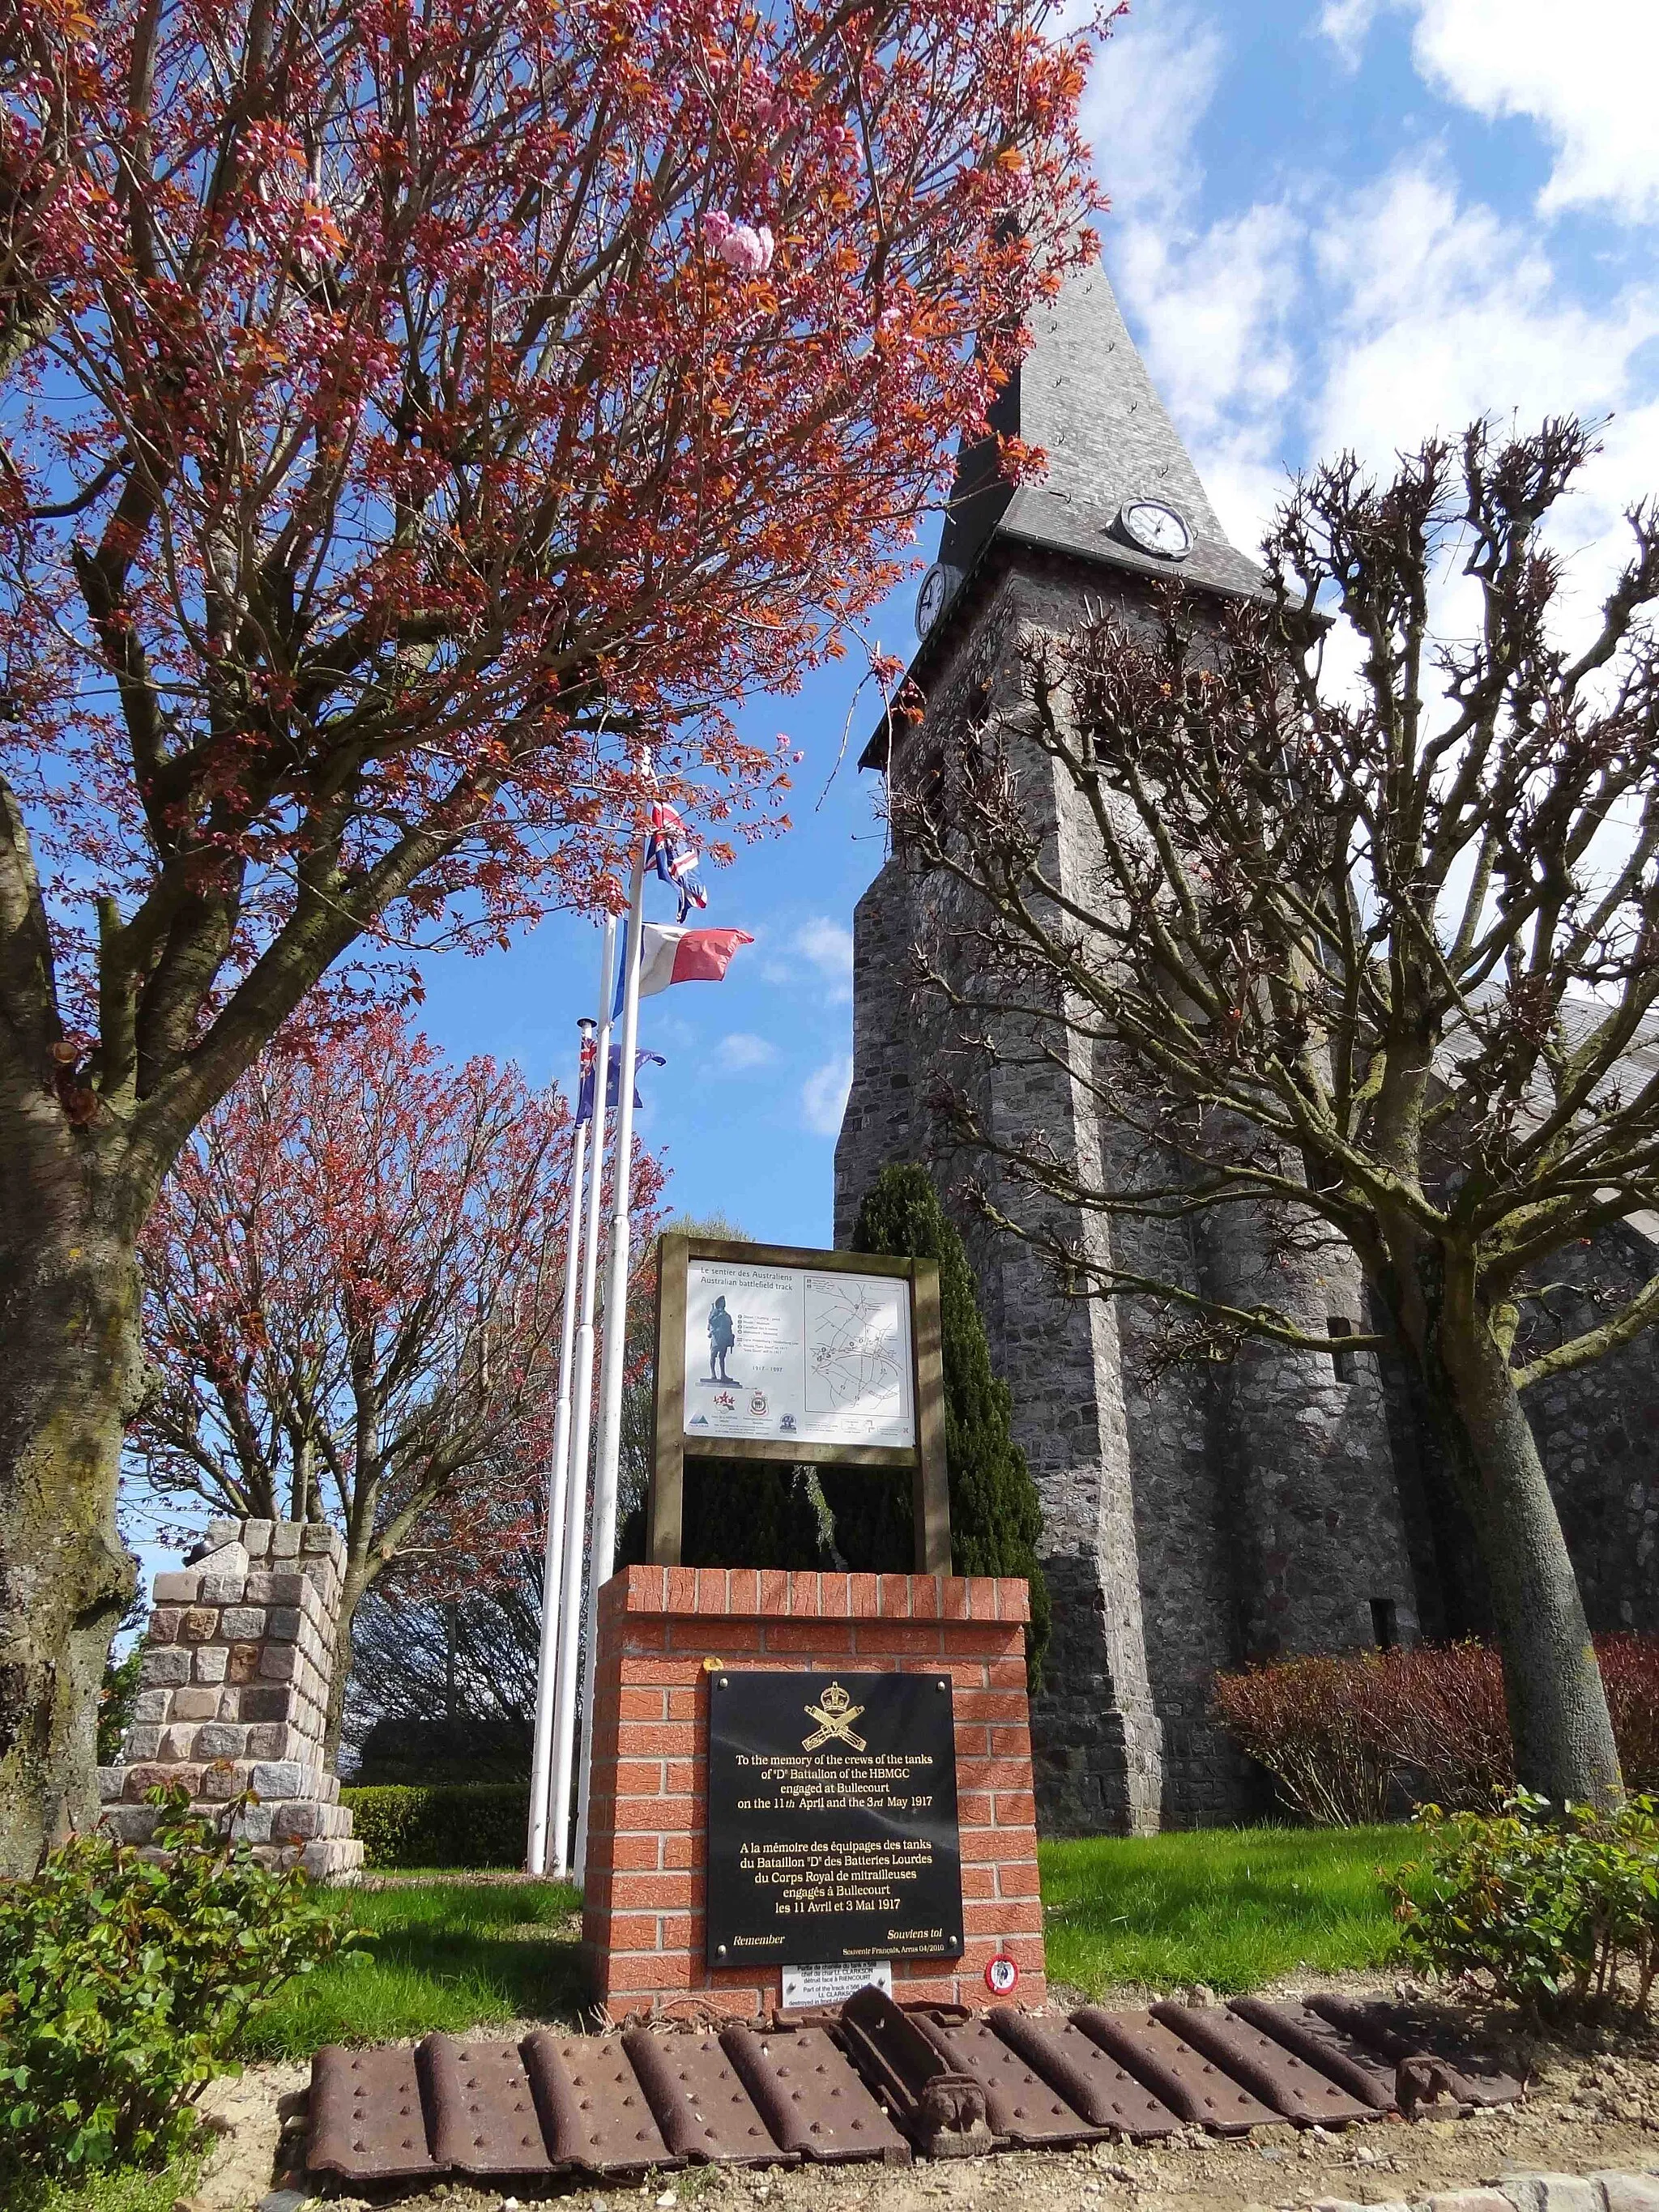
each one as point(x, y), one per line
point(996, 1517)
point(739, 1513)
point(1346, 1737)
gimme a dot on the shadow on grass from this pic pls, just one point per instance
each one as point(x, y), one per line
point(446, 1954)
point(1233, 1908)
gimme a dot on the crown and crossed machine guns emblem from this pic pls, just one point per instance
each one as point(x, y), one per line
point(836, 1713)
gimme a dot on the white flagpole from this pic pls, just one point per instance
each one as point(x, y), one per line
point(602, 1545)
point(547, 1665)
point(570, 1596)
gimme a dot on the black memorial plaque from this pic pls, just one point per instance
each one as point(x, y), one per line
point(832, 1819)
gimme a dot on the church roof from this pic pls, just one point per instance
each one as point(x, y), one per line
point(1083, 395)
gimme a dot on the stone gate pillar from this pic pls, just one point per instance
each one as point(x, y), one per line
point(233, 1697)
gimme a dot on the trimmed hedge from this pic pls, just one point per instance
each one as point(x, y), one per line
point(1347, 1735)
point(454, 1824)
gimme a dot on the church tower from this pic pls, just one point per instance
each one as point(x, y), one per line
point(1224, 1514)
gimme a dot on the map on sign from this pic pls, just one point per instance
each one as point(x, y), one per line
point(797, 1355)
point(855, 1359)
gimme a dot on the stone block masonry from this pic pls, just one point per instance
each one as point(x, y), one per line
point(233, 1698)
point(660, 1629)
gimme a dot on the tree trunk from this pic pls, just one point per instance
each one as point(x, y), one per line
point(359, 1574)
point(71, 1370)
point(1558, 1708)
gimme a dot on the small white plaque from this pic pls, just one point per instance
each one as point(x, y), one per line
point(804, 1987)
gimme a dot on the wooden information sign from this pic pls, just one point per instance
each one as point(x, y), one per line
point(776, 1352)
point(832, 1819)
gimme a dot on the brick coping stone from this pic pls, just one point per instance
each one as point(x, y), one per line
point(661, 1631)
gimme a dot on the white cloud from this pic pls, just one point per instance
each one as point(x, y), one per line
point(1347, 23)
point(824, 1096)
point(827, 947)
point(738, 1053)
point(1586, 83)
point(1444, 313)
point(1210, 305)
point(1311, 321)
point(1156, 76)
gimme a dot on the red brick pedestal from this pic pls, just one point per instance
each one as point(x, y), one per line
point(662, 1631)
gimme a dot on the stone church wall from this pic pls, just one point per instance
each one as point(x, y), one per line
point(1184, 1525)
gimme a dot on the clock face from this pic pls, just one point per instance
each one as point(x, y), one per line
point(936, 588)
point(1155, 528)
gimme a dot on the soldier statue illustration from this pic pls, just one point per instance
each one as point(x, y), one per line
point(721, 1337)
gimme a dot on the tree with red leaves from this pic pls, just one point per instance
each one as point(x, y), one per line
point(353, 1287)
point(411, 414)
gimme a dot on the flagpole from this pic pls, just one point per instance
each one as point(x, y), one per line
point(570, 1594)
point(602, 1546)
point(547, 1663)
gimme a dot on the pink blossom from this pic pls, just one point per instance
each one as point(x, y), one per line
point(740, 245)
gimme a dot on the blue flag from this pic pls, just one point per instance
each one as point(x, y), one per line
point(585, 1091)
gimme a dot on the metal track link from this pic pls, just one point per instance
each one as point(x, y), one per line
point(942, 2111)
point(367, 2117)
point(481, 2112)
point(1089, 2079)
point(1323, 2044)
point(1188, 2081)
point(703, 2110)
point(593, 2112)
point(1401, 2032)
point(1018, 2103)
point(1277, 2076)
point(810, 2097)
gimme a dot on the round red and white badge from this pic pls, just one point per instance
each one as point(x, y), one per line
point(1002, 1974)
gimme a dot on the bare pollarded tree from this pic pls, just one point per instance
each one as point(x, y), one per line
point(1373, 961)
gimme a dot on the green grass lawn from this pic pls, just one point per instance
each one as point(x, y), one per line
point(129, 2189)
point(449, 1954)
point(1233, 1907)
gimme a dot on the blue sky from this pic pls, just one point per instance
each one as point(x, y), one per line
point(1334, 225)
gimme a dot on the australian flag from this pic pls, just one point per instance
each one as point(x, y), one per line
point(585, 1088)
point(670, 852)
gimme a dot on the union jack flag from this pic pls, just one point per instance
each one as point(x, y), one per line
point(669, 850)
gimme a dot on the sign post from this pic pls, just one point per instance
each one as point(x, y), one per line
point(768, 1351)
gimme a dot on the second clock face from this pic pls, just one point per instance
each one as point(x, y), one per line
point(936, 587)
point(1155, 528)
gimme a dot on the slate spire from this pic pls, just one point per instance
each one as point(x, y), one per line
point(1083, 394)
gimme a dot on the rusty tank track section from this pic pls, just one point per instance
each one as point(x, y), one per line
point(872, 2081)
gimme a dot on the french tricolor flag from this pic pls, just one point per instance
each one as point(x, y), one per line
point(670, 954)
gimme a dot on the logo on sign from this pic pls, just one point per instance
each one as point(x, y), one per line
point(726, 1402)
point(786, 1423)
point(1001, 1973)
point(834, 1712)
point(758, 1401)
